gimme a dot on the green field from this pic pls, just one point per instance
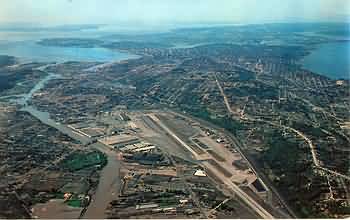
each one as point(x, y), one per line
point(81, 160)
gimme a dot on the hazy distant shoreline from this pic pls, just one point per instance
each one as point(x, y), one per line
point(330, 59)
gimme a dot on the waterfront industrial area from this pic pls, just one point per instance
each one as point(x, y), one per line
point(154, 159)
point(154, 153)
point(148, 156)
point(217, 130)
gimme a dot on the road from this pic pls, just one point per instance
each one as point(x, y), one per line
point(299, 133)
point(228, 106)
point(109, 182)
point(226, 180)
point(180, 174)
point(311, 146)
point(240, 193)
point(238, 147)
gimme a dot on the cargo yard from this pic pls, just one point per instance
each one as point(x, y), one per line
point(147, 143)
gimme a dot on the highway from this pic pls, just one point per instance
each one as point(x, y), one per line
point(299, 133)
point(226, 180)
point(240, 193)
point(238, 147)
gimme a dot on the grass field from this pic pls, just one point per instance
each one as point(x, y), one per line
point(80, 160)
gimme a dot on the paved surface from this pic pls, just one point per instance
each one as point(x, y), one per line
point(226, 180)
point(299, 133)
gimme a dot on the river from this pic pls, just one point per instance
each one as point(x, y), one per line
point(44, 117)
point(109, 182)
point(109, 185)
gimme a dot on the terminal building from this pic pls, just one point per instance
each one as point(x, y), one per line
point(119, 141)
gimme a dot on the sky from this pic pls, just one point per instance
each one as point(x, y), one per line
point(171, 12)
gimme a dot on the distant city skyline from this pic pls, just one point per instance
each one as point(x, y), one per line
point(171, 12)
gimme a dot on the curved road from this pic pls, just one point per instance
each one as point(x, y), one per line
point(299, 133)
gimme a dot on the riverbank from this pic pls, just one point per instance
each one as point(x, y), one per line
point(109, 177)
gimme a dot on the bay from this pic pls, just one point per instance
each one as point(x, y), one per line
point(30, 51)
point(331, 60)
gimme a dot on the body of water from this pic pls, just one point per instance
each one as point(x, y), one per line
point(43, 116)
point(331, 59)
point(29, 51)
point(109, 183)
